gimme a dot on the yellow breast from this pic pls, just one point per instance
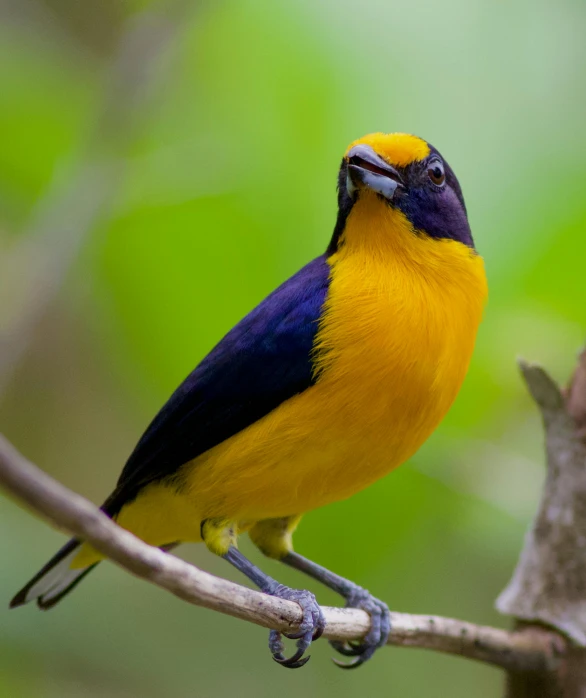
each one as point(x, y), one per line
point(399, 326)
point(392, 351)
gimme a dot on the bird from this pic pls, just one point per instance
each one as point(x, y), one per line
point(331, 382)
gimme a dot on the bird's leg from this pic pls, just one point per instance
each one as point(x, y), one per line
point(220, 537)
point(312, 625)
point(356, 597)
point(274, 538)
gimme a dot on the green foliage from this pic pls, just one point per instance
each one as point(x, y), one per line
point(230, 188)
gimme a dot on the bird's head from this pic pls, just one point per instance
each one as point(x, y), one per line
point(402, 180)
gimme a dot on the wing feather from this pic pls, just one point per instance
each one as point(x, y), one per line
point(263, 361)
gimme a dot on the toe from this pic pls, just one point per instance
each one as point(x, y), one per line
point(276, 645)
point(311, 627)
point(313, 620)
point(297, 659)
point(319, 622)
point(385, 625)
point(376, 637)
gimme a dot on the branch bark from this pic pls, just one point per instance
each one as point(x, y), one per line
point(533, 651)
point(549, 585)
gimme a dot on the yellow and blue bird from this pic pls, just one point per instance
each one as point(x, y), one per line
point(336, 378)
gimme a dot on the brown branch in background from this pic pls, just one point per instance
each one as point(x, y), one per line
point(80, 198)
point(534, 651)
point(549, 584)
point(575, 396)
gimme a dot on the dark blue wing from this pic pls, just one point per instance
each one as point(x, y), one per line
point(264, 360)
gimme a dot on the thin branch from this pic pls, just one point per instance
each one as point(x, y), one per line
point(522, 651)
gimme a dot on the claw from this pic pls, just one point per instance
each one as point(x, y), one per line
point(310, 628)
point(346, 648)
point(356, 662)
point(376, 637)
point(291, 664)
point(293, 661)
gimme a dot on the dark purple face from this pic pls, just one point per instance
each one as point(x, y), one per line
point(432, 200)
point(426, 191)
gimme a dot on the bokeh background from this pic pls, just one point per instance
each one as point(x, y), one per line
point(162, 168)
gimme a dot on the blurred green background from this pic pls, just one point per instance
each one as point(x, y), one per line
point(162, 168)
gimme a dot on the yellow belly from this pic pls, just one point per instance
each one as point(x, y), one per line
point(393, 366)
point(395, 343)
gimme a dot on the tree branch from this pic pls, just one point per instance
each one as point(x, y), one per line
point(548, 586)
point(532, 651)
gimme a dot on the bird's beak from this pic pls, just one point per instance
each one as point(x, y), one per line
point(368, 169)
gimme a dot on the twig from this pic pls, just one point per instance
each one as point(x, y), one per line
point(521, 651)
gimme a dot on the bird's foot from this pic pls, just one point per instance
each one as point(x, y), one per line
point(311, 627)
point(377, 636)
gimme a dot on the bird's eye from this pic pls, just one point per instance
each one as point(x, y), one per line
point(436, 173)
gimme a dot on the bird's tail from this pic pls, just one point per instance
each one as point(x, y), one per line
point(56, 579)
